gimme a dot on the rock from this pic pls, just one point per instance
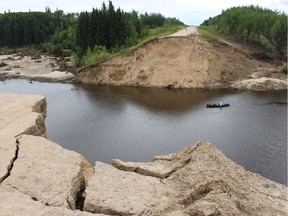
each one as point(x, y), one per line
point(39, 68)
point(198, 180)
point(34, 165)
point(47, 172)
point(19, 114)
point(15, 203)
point(55, 76)
point(159, 170)
point(162, 167)
point(112, 191)
point(261, 84)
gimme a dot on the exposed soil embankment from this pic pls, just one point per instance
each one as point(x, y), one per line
point(38, 177)
point(184, 62)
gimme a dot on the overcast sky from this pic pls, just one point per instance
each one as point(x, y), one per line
point(192, 12)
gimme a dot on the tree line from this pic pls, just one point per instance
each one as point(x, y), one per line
point(255, 24)
point(114, 28)
point(27, 28)
point(54, 31)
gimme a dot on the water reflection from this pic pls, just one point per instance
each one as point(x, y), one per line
point(157, 99)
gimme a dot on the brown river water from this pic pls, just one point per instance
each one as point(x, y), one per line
point(136, 124)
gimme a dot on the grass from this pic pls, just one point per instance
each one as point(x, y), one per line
point(152, 34)
point(208, 32)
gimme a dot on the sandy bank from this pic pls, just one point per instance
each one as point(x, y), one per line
point(46, 179)
point(41, 68)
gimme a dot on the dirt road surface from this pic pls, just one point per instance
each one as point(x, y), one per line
point(185, 32)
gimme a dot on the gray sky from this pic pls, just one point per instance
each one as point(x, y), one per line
point(190, 12)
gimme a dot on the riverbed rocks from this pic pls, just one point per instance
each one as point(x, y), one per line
point(38, 177)
point(37, 68)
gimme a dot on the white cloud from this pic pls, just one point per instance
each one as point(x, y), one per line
point(189, 11)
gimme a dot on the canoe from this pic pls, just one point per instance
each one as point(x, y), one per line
point(216, 105)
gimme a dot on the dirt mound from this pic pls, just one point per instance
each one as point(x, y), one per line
point(177, 62)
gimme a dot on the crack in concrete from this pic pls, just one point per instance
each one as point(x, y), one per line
point(10, 167)
point(80, 198)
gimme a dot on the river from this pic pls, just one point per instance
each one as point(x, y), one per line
point(135, 124)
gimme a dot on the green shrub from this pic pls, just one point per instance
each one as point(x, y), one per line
point(53, 49)
point(98, 54)
point(57, 50)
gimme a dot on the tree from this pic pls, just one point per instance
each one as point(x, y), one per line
point(82, 30)
point(253, 23)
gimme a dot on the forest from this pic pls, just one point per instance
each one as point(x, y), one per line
point(90, 36)
point(264, 27)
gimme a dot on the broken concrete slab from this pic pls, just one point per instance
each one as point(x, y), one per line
point(19, 114)
point(211, 178)
point(13, 202)
point(201, 181)
point(47, 172)
point(112, 191)
point(157, 169)
point(32, 164)
point(161, 167)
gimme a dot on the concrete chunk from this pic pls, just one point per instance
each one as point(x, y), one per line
point(14, 202)
point(112, 191)
point(18, 114)
point(48, 172)
point(162, 166)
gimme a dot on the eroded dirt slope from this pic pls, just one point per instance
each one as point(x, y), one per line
point(183, 62)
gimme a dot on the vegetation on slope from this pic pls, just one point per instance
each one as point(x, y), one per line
point(106, 31)
point(253, 24)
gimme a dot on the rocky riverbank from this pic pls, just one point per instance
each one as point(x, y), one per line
point(35, 68)
point(38, 177)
